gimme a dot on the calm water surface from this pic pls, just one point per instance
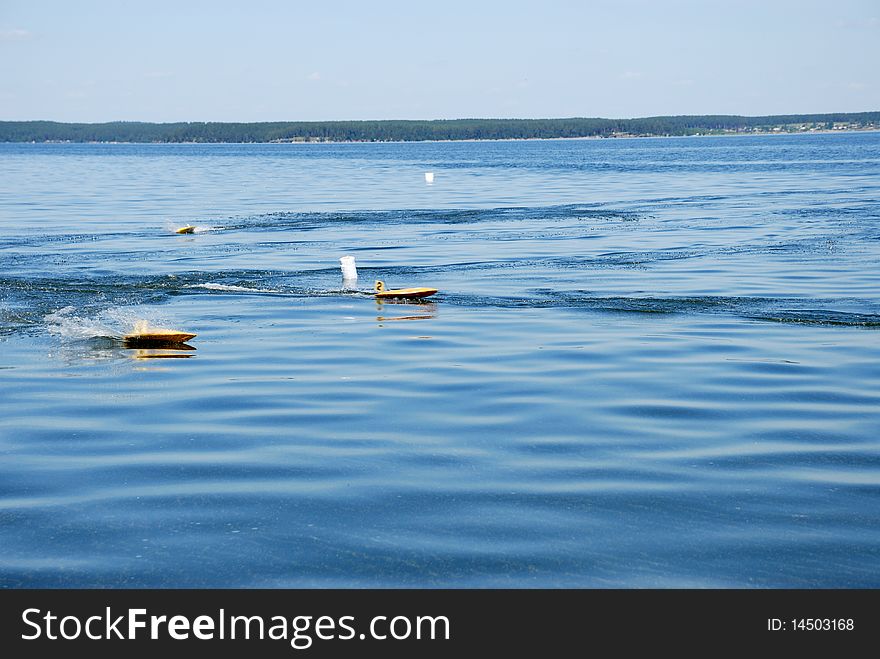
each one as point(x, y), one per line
point(651, 363)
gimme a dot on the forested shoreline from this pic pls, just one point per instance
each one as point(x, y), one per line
point(427, 130)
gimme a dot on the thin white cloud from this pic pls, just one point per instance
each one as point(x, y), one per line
point(314, 76)
point(631, 75)
point(15, 35)
point(158, 74)
point(858, 86)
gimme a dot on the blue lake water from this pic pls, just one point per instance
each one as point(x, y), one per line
point(651, 363)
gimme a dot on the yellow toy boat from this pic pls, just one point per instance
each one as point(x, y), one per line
point(186, 229)
point(382, 292)
point(144, 336)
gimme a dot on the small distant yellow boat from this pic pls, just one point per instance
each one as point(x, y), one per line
point(411, 293)
point(186, 229)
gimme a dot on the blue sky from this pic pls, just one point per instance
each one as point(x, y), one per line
point(265, 60)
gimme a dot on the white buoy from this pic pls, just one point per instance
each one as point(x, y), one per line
point(349, 272)
point(429, 177)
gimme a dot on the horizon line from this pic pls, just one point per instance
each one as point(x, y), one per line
point(324, 121)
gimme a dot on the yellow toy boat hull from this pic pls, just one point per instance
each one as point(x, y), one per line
point(188, 229)
point(156, 338)
point(407, 293)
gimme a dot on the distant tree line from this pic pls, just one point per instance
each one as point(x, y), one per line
point(417, 130)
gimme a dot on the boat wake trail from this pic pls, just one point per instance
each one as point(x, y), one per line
point(69, 324)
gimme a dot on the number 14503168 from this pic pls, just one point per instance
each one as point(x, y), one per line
point(811, 624)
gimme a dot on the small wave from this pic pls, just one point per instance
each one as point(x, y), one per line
point(304, 221)
point(769, 309)
point(546, 298)
point(820, 317)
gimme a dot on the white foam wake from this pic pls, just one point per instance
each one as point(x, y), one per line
point(232, 288)
point(113, 323)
